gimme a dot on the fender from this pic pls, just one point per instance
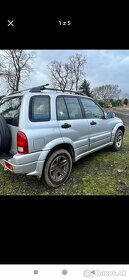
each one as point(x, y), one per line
point(52, 145)
point(120, 124)
point(49, 147)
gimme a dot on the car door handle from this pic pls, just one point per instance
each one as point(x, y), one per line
point(93, 123)
point(66, 125)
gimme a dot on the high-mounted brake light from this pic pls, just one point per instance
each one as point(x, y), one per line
point(22, 143)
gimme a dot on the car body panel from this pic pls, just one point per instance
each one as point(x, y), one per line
point(78, 133)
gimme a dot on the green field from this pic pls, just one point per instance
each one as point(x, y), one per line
point(103, 173)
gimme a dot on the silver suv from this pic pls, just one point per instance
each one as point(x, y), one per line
point(43, 131)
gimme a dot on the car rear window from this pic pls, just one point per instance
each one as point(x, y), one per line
point(10, 109)
point(39, 109)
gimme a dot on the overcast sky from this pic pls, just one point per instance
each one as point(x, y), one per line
point(103, 66)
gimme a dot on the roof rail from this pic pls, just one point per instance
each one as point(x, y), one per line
point(38, 89)
point(35, 89)
point(43, 87)
point(67, 90)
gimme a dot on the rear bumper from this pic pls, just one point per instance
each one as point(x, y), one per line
point(24, 164)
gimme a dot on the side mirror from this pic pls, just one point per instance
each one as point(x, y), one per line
point(110, 114)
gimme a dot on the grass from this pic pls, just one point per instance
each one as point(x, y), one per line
point(102, 173)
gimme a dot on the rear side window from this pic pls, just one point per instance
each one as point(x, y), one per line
point(74, 108)
point(39, 109)
point(62, 113)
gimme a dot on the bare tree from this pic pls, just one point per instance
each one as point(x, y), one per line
point(67, 75)
point(59, 74)
point(106, 92)
point(77, 64)
point(15, 67)
point(2, 69)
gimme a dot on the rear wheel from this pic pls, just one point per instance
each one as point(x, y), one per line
point(5, 136)
point(57, 168)
point(118, 141)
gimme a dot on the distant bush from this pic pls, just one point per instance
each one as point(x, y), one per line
point(117, 102)
point(100, 102)
point(104, 103)
point(126, 101)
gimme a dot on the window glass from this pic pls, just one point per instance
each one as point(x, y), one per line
point(9, 107)
point(74, 108)
point(62, 113)
point(10, 110)
point(92, 110)
point(39, 108)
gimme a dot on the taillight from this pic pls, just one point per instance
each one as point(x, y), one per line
point(22, 143)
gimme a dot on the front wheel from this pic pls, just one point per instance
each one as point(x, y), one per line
point(57, 168)
point(118, 141)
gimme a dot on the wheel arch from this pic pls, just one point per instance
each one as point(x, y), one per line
point(65, 146)
point(122, 128)
point(115, 129)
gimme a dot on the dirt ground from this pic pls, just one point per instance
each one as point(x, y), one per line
point(123, 115)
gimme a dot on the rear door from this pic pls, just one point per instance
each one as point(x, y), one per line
point(10, 110)
point(73, 126)
point(99, 127)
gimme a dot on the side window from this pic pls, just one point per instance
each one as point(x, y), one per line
point(39, 109)
point(74, 108)
point(92, 110)
point(62, 113)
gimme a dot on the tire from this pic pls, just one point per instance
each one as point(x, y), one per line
point(57, 168)
point(118, 141)
point(5, 136)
